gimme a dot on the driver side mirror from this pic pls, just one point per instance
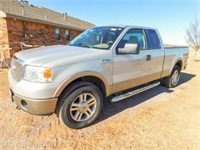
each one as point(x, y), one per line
point(129, 48)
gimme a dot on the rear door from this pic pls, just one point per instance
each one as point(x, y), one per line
point(156, 53)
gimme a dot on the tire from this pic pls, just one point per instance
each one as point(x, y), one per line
point(80, 105)
point(172, 80)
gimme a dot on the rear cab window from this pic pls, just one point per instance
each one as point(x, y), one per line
point(153, 39)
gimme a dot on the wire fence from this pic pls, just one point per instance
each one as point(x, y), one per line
point(12, 48)
point(8, 49)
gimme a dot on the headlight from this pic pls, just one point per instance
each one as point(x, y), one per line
point(37, 74)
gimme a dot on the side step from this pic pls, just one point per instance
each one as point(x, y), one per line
point(129, 94)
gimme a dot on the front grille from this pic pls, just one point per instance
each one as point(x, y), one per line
point(16, 68)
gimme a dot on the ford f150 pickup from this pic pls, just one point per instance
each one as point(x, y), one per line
point(74, 80)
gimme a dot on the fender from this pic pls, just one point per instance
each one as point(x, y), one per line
point(175, 64)
point(69, 80)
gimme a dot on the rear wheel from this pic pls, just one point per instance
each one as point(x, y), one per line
point(172, 80)
point(80, 105)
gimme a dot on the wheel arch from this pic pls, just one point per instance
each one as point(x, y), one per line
point(92, 77)
point(178, 63)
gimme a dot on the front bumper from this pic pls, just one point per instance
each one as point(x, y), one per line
point(34, 98)
point(35, 106)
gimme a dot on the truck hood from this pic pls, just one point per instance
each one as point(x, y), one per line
point(54, 56)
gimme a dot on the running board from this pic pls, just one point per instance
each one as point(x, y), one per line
point(129, 94)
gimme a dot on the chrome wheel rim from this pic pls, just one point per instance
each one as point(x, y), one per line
point(83, 107)
point(175, 77)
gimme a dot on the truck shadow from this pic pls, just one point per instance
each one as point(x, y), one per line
point(110, 109)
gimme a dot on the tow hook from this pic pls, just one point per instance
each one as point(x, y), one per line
point(18, 108)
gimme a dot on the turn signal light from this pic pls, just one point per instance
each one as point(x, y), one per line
point(47, 73)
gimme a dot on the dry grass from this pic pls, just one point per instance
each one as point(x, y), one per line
point(160, 118)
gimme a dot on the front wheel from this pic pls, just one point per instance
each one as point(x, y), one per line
point(81, 105)
point(172, 80)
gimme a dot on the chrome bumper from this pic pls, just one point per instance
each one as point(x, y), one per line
point(33, 106)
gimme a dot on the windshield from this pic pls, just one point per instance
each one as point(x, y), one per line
point(97, 37)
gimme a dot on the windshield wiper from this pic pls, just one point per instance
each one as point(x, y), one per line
point(85, 44)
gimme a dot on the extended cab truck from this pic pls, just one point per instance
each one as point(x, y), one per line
point(73, 80)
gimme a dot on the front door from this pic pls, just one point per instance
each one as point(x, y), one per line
point(131, 69)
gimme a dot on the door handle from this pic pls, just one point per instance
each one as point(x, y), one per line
point(106, 60)
point(148, 57)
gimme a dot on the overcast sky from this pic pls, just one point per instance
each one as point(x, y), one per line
point(170, 17)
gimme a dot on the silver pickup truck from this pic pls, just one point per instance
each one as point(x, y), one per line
point(73, 81)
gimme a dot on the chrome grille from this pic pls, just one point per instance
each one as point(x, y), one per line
point(16, 68)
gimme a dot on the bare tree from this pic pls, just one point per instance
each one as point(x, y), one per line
point(193, 36)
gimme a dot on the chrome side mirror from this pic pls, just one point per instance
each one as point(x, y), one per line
point(129, 48)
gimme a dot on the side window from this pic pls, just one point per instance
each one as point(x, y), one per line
point(154, 41)
point(135, 36)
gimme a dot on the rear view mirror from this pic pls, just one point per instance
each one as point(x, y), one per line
point(129, 48)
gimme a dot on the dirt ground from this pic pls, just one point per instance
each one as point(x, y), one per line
point(160, 118)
